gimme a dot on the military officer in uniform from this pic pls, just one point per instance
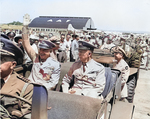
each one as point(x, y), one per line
point(88, 75)
point(121, 65)
point(11, 82)
point(45, 69)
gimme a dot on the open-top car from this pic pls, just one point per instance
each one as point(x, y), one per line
point(58, 105)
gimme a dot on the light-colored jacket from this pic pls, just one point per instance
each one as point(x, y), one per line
point(125, 71)
point(89, 83)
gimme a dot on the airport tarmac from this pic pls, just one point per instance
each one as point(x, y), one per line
point(142, 96)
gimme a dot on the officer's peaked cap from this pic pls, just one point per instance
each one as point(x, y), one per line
point(83, 45)
point(9, 48)
point(45, 44)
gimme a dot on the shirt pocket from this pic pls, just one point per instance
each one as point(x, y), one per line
point(92, 75)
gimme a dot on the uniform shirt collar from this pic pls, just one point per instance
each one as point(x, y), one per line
point(88, 63)
point(7, 79)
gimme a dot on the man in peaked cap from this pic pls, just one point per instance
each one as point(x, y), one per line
point(10, 47)
point(121, 65)
point(45, 69)
point(13, 83)
point(88, 75)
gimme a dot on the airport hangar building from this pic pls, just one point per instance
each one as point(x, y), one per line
point(57, 24)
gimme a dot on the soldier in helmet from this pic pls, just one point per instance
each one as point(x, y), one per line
point(13, 83)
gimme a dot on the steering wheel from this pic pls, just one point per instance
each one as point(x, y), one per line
point(17, 97)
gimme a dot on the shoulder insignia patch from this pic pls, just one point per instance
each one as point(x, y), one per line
point(23, 78)
point(126, 67)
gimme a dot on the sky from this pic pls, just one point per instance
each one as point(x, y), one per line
point(110, 15)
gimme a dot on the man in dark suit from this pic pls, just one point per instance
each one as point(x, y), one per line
point(12, 83)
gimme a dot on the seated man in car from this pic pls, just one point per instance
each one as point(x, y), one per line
point(87, 75)
point(121, 65)
point(45, 69)
point(13, 83)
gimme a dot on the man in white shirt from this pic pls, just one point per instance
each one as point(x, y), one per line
point(68, 44)
point(62, 49)
point(74, 47)
point(45, 69)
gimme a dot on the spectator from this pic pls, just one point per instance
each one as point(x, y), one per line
point(74, 48)
point(68, 45)
point(62, 49)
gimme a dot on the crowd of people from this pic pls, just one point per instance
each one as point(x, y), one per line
point(48, 52)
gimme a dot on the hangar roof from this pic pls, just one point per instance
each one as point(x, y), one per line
point(61, 22)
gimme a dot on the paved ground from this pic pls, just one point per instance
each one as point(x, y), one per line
point(142, 96)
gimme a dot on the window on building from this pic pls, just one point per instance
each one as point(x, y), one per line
point(50, 20)
point(58, 20)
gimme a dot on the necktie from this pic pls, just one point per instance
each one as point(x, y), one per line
point(84, 64)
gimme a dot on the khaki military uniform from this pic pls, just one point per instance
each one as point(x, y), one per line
point(89, 83)
point(125, 70)
point(14, 86)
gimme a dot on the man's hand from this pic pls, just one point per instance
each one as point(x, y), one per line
point(25, 30)
point(25, 34)
point(71, 91)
